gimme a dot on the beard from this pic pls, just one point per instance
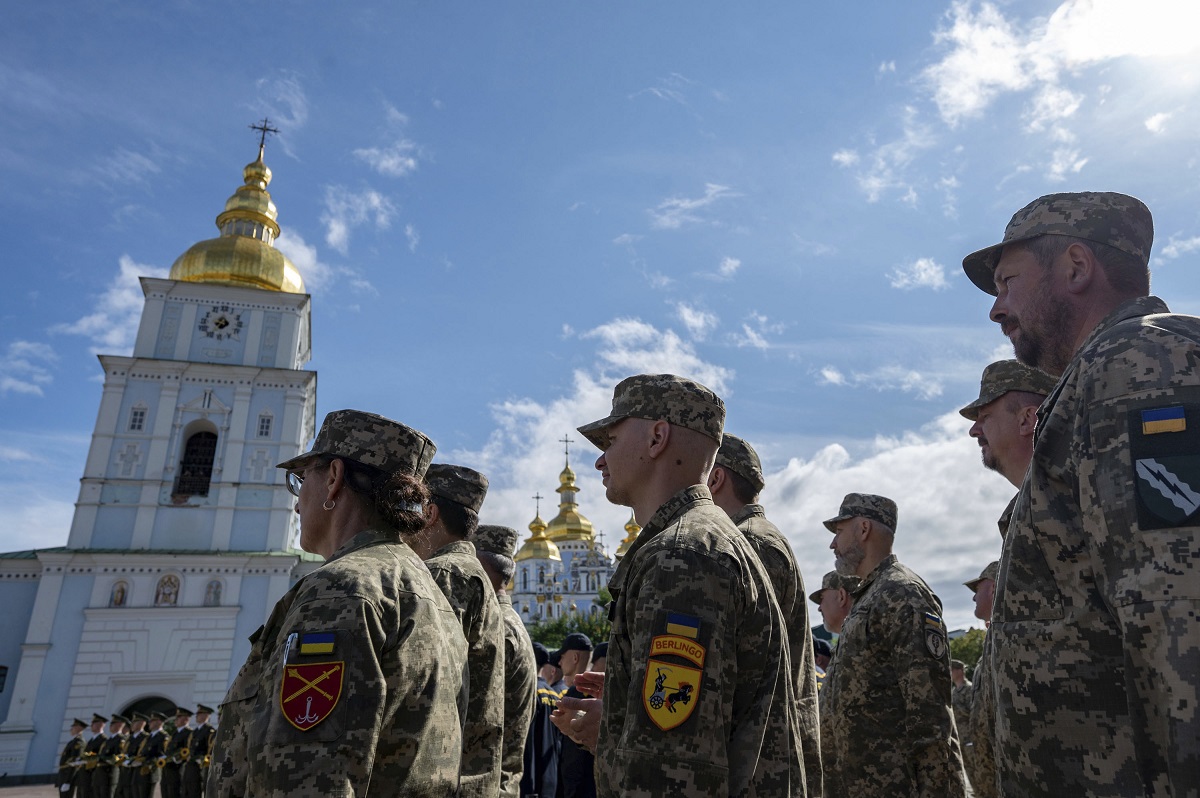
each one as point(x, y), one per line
point(1044, 339)
point(989, 458)
point(846, 562)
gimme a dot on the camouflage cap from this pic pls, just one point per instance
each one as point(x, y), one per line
point(1117, 220)
point(500, 540)
point(833, 581)
point(1008, 375)
point(865, 505)
point(661, 397)
point(458, 484)
point(990, 572)
point(740, 458)
point(371, 440)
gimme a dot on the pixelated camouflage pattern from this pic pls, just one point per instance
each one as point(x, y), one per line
point(1006, 518)
point(661, 397)
point(834, 581)
point(1007, 375)
point(739, 457)
point(979, 751)
point(960, 702)
point(398, 721)
point(457, 483)
point(1096, 657)
point(1105, 217)
point(520, 692)
point(457, 571)
point(865, 505)
point(989, 572)
point(741, 738)
point(779, 561)
point(893, 730)
point(500, 540)
point(371, 440)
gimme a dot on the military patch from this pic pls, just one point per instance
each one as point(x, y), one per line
point(935, 635)
point(309, 692)
point(316, 643)
point(1165, 452)
point(670, 693)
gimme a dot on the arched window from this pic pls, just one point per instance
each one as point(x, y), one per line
point(195, 468)
point(119, 594)
point(212, 594)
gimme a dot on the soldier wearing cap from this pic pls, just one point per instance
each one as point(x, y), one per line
point(1094, 624)
point(735, 482)
point(358, 677)
point(137, 732)
point(104, 777)
point(152, 747)
point(892, 731)
point(177, 753)
point(494, 547)
point(91, 756)
point(1003, 419)
point(199, 745)
point(456, 495)
point(70, 760)
point(979, 733)
point(834, 599)
point(697, 696)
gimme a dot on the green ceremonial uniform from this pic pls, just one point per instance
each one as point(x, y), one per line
point(458, 573)
point(698, 698)
point(520, 689)
point(373, 612)
point(892, 729)
point(67, 771)
point(1096, 656)
point(148, 773)
point(125, 771)
point(169, 786)
point(91, 756)
point(104, 775)
point(780, 563)
point(195, 769)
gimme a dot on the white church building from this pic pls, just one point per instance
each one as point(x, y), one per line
point(182, 535)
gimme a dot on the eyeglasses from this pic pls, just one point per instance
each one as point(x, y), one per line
point(294, 481)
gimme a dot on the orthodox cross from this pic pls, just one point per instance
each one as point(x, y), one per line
point(566, 442)
point(538, 498)
point(264, 127)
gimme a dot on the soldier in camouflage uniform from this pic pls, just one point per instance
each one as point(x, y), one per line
point(357, 679)
point(456, 494)
point(960, 696)
point(979, 752)
point(1096, 648)
point(697, 695)
point(495, 546)
point(892, 731)
point(735, 483)
point(70, 759)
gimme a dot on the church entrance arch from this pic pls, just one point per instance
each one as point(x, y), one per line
point(152, 703)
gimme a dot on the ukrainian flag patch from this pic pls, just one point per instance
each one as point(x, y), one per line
point(316, 643)
point(683, 625)
point(1163, 419)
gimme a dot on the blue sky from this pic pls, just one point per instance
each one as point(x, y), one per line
point(501, 209)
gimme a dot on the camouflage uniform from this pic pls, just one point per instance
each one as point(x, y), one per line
point(981, 730)
point(893, 729)
point(739, 738)
point(396, 724)
point(1097, 650)
point(780, 564)
point(960, 702)
point(460, 576)
point(520, 688)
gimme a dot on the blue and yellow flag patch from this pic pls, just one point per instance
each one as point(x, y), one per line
point(683, 625)
point(316, 643)
point(1163, 419)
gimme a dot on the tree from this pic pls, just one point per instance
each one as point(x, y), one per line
point(968, 648)
point(552, 633)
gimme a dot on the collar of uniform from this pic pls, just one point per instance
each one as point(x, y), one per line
point(747, 511)
point(504, 598)
point(888, 562)
point(676, 505)
point(1129, 309)
point(1006, 516)
point(369, 537)
point(455, 546)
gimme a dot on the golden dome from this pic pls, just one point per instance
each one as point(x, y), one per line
point(569, 524)
point(538, 547)
point(243, 254)
point(632, 530)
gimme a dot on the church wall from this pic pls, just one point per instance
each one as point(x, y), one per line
point(250, 531)
point(18, 590)
point(184, 528)
point(256, 605)
point(114, 526)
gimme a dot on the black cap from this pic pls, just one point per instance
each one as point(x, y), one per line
point(576, 641)
point(541, 654)
point(200, 708)
point(600, 651)
point(83, 724)
point(157, 716)
point(118, 718)
point(556, 658)
point(822, 648)
point(98, 718)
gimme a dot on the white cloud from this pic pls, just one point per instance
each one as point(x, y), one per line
point(729, 267)
point(1158, 122)
point(397, 159)
point(675, 212)
point(892, 377)
point(831, 376)
point(126, 166)
point(414, 238)
point(887, 66)
point(345, 210)
point(886, 165)
point(671, 89)
point(316, 274)
point(1180, 246)
point(24, 369)
point(282, 100)
point(1065, 161)
point(921, 273)
point(113, 326)
point(699, 323)
point(755, 331)
point(845, 157)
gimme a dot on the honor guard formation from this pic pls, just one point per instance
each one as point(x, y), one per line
point(399, 666)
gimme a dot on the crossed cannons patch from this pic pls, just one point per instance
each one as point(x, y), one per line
point(309, 692)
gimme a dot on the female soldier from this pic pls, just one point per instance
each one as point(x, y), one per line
point(356, 681)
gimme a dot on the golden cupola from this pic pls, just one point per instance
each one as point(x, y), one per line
point(244, 254)
point(569, 524)
point(631, 533)
point(538, 547)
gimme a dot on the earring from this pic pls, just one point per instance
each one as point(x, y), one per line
point(329, 504)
